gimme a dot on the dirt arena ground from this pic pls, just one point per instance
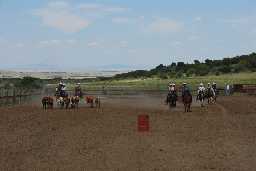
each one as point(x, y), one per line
point(217, 137)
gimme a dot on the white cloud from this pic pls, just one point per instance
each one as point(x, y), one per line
point(20, 45)
point(71, 41)
point(44, 42)
point(59, 16)
point(142, 17)
point(165, 25)
point(176, 43)
point(93, 44)
point(68, 18)
point(198, 19)
point(234, 21)
point(132, 51)
point(116, 9)
point(125, 20)
point(123, 44)
point(120, 20)
point(193, 37)
point(58, 4)
point(55, 42)
point(49, 43)
point(101, 8)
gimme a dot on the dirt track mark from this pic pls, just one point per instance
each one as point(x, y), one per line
point(222, 108)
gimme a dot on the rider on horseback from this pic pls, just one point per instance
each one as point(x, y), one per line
point(185, 90)
point(214, 86)
point(201, 89)
point(61, 90)
point(172, 95)
point(210, 90)
point(78, 91)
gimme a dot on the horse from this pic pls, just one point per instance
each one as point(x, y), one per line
point(63, 102)
point(171, 99)
point(66, 101)
point(200, 97)
point(75, 101)
point(98, 102)
point(216, 92)
point(187, 100)
point(60, 102)
point(91, 100)
point(47, 102)
point(210, 95)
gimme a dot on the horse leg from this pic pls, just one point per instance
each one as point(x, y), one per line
point(99, 103)
point(202, 103)
point(189, 110)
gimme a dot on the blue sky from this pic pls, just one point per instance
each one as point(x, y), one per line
point(141, 34)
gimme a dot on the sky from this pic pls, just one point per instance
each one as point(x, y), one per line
point(123, 33)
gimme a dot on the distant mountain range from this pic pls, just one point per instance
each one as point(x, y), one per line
point(56, 68)
point(45, 71)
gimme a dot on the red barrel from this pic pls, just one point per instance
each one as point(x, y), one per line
point(143, 123)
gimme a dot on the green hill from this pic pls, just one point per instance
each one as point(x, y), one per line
point(243, 63)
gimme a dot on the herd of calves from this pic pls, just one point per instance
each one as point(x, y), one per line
point(69, 102)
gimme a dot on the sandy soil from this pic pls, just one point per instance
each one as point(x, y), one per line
point(217, 137)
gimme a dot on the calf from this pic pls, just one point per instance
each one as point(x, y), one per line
point(47, 102)
point(75, 101)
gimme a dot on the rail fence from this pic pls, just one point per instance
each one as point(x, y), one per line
point(13, 96)
point(245, 88)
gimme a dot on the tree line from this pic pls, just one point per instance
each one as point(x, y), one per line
point(243, 63)
point(22, 83)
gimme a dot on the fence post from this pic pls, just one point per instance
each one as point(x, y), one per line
point(1, 100)
point(7, 96)
point(14, 96)
point(20, 93)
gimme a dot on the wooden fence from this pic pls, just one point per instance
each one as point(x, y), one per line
point(16, 96)
point(245, 88)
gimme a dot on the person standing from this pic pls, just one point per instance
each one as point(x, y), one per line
point(227, 90)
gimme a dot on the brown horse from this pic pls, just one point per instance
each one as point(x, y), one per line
point(47, 102)
point(66, 102)
point(75, 101)
point(187, 100)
